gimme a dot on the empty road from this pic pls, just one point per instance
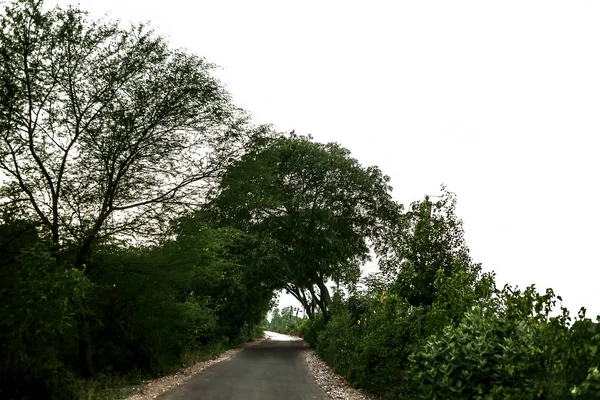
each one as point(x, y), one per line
point(270, 370)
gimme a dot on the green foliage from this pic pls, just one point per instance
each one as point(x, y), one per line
point(432, 241)
point(590, 387)
point(151, 309)
point(434, 326)
point(109, 137)
point(508, 347)
point(457, 293)
point(312, 208)
point(372, 332)
point(39, 303)
point(309, 329)
point(474, 342)
point(142, 319)
point(158, 303)
point(478, 359)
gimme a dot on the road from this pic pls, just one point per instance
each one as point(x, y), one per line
point(270, 370)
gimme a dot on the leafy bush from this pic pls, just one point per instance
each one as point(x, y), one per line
point(479, 358)
point(437, 327)
point(309, 329)
point(39, 302)
point(590, 387)
point(151, 309)
point(508, 347)
point(372, 333)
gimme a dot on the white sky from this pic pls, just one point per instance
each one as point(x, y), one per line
point(498, 100)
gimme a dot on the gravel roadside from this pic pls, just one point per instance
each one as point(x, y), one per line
point(329, 381)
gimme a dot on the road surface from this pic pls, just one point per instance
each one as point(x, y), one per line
point(270, 370)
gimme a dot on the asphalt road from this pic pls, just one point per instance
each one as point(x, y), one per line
point(270, 370)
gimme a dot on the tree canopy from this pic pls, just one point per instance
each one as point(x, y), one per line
point(314, 208)
point(106, 130)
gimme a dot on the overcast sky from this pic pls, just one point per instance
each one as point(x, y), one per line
point(498, 100)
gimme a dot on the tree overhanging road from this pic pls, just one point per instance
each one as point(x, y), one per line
point(270, 370)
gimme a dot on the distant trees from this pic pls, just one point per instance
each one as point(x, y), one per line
point(286, 320)
point(314, 209)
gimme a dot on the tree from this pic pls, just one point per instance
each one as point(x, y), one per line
point(98, 121)
point(315, 210)
point(431, 239)
point(105, 131)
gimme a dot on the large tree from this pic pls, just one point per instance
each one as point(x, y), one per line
point(104, 131)
point(314, 209)
point(102, 127)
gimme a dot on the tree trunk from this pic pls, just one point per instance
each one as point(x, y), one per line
point(302, 298)
point(321, 300)
point(86, 366)
point(325, 296)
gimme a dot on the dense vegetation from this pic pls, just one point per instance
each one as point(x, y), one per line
point(436, 327)
point(146, 222)
point(110, 143)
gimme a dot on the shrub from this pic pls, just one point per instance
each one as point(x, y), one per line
point(508, 347)
point(309, 329)
point(39, 301)
point(480, 357)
